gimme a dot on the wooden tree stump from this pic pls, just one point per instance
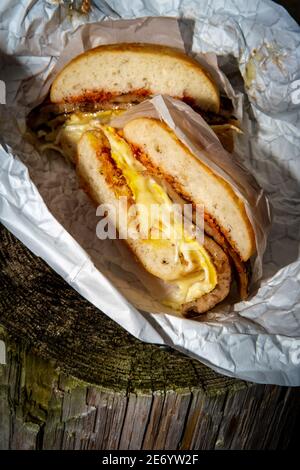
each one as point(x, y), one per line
point(74, 379)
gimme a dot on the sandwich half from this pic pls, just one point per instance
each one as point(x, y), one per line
point(75, 120)
point(101, 82)
point(147, 165)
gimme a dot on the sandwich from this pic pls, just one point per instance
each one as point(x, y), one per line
point(145, 163)
point(103, 82)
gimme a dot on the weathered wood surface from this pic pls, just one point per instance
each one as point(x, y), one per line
point(76, 380)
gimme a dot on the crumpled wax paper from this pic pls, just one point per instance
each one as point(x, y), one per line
point(257, 45)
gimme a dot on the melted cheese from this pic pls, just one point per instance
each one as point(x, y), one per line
point(77, 124)
point(197, 275)
point(64, 138)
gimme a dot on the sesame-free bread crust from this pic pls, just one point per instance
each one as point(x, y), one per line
point(144, 70)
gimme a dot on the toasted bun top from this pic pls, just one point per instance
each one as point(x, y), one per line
point(194, 180)
point(108, 71)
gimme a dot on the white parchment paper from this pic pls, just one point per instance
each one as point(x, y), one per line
point(258, 48)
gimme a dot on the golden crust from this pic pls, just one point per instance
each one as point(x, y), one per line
point(142, 48)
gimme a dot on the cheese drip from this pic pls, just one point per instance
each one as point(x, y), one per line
point(198, 275)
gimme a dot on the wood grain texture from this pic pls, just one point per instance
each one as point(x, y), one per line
point(76, 380)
